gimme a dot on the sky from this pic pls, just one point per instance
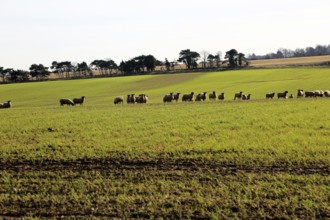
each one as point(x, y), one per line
point(43, 31)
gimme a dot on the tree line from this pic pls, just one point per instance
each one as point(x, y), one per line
point(318, 50)
point(141, 64)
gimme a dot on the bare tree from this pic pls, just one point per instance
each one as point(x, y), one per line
point(204, 55)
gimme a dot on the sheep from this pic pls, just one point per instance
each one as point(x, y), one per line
point(79, 100)
point(176, 96)
point(188, 97)
point(118, 99)
point(270, 95)
point(130, 99)
point(309, 94)
point(300, 93)
point(201, 96)
point(282, 94)
point(221, 96)
point(327, 93)
point(246, 97)
point(66, 101)
point(319, 93)
point(142, 98)
point(238, 95)
point(213, 96)
point(168, 97)
point(6, 104)
point(291, 96)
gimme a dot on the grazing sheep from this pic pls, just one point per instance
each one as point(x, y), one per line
point(201, 96)
point(270, 95)
point(221, 96)
point(213, 96)
point(130, 99)
point(176, 96)
point(282, 94)
point(318, 93)
point(79, 100)
point(5, 105)
point(168, 97)
point(246, 97)
point(238, 95)
point(65, 101)
point(188, 97)
point(327, 93)
point(118, 99)
point(309, 94)
point(300, 93)
point(291, 96)
point(142, 98)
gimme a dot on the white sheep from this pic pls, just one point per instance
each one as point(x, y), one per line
point(327, 93)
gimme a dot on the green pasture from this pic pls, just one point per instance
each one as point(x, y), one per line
point(257, 82)
point(253, 159)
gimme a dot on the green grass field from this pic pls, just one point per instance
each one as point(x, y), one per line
point(232, 159)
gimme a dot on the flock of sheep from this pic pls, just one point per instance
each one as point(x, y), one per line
point(66, 101)
point(142, 98)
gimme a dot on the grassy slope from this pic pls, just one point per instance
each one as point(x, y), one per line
point(102, 91)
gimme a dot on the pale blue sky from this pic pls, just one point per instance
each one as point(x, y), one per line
point(42, 31)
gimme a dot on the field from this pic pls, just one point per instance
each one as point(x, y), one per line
point(231, 159)
point(296, 61)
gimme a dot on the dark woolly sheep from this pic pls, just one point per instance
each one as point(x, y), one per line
point(6, 104)
point(201, 96)
point(309, 94)
point(168, 97)
point(118, 99)
point(238, 95)
point(66, 101)
point(79, 100)
point(319, 93)
point(291, 96)
point(246, 97)
point(188, 97)
point(270, 95)
point(300, 93)
point(282, 94)
point(142, 98)
point(130, 99)
point(221, 96)
point(213, 96)
point(176, 96)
